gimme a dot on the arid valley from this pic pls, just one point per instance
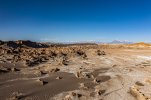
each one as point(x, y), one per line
point(75, 49)
point(38, 71)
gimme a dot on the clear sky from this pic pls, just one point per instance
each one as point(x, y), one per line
point(75, 20)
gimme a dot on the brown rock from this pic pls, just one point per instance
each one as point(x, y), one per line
point(58, 78)
point(55, 70)
point(42, 82)
point(139, 83)
point(100, 79)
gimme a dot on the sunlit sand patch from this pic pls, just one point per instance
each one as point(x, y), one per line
point(148, 81)
point(144, 57)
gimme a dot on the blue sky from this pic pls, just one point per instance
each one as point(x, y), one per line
point(75, 20)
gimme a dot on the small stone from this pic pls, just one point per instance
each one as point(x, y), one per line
point(100, 79)
point(42, 82)
point(139, 83)
point(100, 92)
point(58, 78)
point(43, 73)
point(15, 69)
point(4, 70)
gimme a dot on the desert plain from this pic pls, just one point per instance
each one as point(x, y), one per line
point(40, 71)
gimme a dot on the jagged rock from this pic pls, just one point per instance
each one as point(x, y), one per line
point(15, 69)
point(82, 86)
point(42, 82)
point(76, 94)
point(55, 70)
point(139, 95)
point(88, 75)
point(139, 83)
point(114, 65)
point(58, 78)
point(16, 96)
point(64, 53)
point(79, 74)
point(100, 92)
point(53, 54)
point(100, 52)
point(100, 79)
point(65, 62)
point(73, 96)
point(82, 54)
point(4, 70)
point(43, 72)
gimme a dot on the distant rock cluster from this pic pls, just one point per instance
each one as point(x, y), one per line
point(32, 53)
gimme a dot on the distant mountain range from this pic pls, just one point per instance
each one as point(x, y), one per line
point(120, 42)
point(30, 44)
point(97, 42)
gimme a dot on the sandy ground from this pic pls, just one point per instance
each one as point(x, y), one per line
point(121, 74)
